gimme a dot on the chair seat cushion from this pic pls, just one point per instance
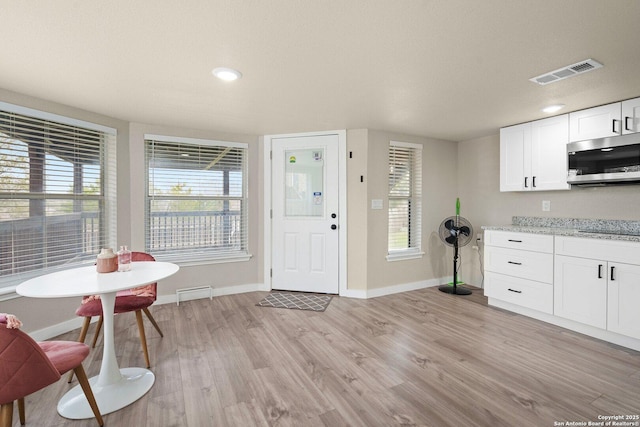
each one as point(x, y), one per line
point(123, 304)
point(65, 355)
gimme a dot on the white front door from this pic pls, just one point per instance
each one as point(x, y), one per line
point(304, 191)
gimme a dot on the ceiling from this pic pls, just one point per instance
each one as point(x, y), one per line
point(447, 69)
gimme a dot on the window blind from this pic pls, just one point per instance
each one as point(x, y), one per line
point(196, 198)
point(55, 193)
point(405, 197)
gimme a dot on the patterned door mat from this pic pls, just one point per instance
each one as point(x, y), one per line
point(296, 301)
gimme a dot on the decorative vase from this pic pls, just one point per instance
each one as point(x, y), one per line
point(107, 261)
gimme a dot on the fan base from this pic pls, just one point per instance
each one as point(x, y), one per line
point(459, 290)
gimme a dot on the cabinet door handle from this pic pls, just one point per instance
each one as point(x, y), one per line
point(626, 120)
point(613, 129)
point(513, 290)
point(533, 181)
point(515, 241)
point(517, 263)
point(612, 278)
point(526, 185)
point(599, 271)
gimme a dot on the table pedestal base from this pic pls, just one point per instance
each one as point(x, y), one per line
point(134, 384)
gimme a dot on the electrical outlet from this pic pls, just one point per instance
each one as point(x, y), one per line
point(546, 205)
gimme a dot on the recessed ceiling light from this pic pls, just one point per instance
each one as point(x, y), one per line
point(226, 74)
point(553, 108)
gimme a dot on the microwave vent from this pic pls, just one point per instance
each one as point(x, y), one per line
point(566, 72)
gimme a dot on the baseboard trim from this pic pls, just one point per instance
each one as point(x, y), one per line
point(394, 289)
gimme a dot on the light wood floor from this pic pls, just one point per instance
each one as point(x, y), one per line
point(418, 358)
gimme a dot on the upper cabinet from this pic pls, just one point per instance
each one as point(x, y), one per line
point(604, 121)
point(631, 116)
point(533, 156)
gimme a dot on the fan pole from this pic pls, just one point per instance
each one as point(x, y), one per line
point(455, 290)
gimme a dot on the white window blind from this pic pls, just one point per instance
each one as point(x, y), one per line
point(405, 198)
point(196, 198)
point(57, 182)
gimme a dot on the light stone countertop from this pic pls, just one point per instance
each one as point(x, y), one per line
point(585, 228)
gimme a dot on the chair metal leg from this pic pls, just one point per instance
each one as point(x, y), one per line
point(86, 388)
point(143, 337)
point(97, 334)
point(153, 321)
point(81, 338)
point(6, 414)
point(21, 411)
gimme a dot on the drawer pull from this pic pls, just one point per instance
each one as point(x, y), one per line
point(599, 271)
point(515, 241)
point(513, 290)
point(514, 263)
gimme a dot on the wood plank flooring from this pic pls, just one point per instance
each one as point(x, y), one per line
point(421, 358)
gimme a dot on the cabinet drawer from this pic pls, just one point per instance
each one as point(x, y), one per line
point(523, 292)
point(535, 266)
point(610, 250)
point(524, 241)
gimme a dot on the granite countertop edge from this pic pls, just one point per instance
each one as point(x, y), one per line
point(556, 231)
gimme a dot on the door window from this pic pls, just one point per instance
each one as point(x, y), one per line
point(304, 183)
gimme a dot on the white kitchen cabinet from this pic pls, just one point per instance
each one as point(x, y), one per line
point(623, 314)
point(515, 157)
point(533, 156)
point(589, 285)
point(631, 116)
point(580, 290)
point(608, 120)
point(597, 282)
point(519, 269)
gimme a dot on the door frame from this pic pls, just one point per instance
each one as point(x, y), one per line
point(342, 203)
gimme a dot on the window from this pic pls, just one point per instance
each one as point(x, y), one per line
point(56, 191)
point(196, 207)
point(405, 200)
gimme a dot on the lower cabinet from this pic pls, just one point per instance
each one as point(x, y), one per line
point(594, 282)
point(623, 314)
point(526, 293)
point(580, 290)
point(519, 269)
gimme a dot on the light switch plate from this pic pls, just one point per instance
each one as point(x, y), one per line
point(376, 204)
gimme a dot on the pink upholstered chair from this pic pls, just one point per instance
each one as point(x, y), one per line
point(27, 366)
point(137, 299)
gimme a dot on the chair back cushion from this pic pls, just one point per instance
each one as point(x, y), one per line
point(24, 368)
point(149, 290)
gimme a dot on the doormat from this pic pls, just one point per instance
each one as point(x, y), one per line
point(296, 301)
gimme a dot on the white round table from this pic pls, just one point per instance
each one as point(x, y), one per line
point(113, 388)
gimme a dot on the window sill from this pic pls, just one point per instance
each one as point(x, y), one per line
point(192, 262)
point(402, 256)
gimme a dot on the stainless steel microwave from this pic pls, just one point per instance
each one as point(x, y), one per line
point(605, 160)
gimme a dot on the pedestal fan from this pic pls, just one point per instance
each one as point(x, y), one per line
point(455, 231)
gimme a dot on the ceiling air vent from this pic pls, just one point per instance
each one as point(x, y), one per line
point(568, 71)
